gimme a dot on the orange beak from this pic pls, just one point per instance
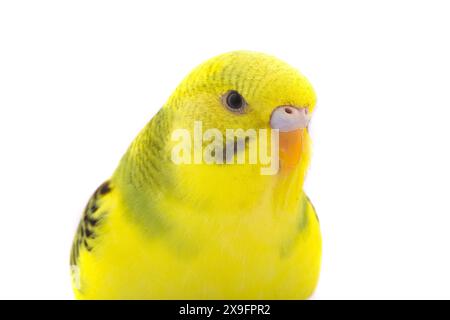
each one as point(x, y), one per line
point(290, 148)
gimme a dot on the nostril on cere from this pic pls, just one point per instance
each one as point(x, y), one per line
point(288, 118)
point(288, 110)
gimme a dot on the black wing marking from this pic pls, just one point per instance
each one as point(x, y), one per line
point(88, 226)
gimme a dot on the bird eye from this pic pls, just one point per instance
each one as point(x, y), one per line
point(234, 101)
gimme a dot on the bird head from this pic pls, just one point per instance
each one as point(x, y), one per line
point(249, 94)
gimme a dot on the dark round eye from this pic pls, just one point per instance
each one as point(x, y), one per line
point(234, 101)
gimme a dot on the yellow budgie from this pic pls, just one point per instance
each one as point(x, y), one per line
point(165, 228)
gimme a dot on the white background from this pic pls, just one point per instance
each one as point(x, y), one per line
point(79, 79)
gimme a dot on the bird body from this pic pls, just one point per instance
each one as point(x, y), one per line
point(160, 230)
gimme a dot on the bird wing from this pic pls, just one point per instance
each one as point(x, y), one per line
point(312, 208)
point(88, 229)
